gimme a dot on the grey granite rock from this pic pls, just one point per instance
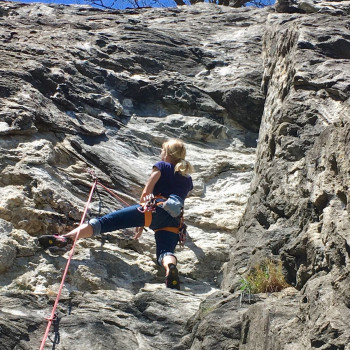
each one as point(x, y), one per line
point(83, 88)
point(298, 207)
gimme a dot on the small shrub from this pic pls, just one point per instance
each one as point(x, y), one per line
point(266, 277)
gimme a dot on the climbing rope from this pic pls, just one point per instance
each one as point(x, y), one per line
point(53, 316)
point(95, 178)
point(113, 194)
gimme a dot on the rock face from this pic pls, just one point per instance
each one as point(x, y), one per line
point(82, 88)
point(298, 209)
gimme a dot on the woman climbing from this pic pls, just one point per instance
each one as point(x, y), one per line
point(161, 208)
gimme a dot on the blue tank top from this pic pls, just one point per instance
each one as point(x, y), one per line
point(171, 182)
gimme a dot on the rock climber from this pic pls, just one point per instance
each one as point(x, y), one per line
point(160, 209)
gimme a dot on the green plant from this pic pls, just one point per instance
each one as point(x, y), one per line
point(266, 277)
point(245, 286)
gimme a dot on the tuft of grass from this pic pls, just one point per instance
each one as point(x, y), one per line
point(267, 277)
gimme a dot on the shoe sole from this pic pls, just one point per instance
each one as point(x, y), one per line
point(172, 280)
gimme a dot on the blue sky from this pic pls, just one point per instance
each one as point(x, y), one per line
point(122, 4)
point(65, 2)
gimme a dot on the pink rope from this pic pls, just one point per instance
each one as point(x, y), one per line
point(50, 320)
point(113, 194)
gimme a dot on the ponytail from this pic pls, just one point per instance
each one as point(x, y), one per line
point(184, 167)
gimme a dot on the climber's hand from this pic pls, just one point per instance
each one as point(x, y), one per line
point(138, 232)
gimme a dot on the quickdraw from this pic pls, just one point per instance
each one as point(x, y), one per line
point(149, 204)
point(182, 234)
point(56, 329)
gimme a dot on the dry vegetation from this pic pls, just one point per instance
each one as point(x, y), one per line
point(267, 277)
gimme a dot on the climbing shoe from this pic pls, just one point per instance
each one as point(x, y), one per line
point(48, 241)
point(172, 280)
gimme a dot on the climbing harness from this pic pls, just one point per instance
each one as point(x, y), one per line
point(149, 206)
point(181, 230)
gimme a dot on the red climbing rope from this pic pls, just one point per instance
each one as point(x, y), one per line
point(52, 316)
point(113, 194)
point(95, 178)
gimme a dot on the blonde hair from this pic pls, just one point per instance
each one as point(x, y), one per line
point(176, 150)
